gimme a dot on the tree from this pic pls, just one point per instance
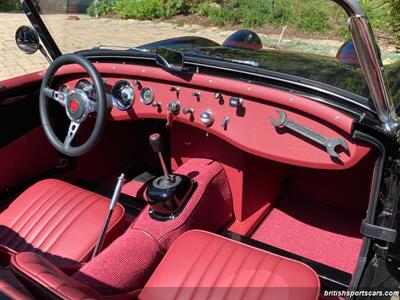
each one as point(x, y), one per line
point(395, 18)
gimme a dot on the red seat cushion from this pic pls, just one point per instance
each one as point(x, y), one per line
point(46, 280)
point(202, 265)
point(11, 288)
point(58, 220)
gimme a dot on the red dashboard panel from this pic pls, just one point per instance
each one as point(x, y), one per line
point(249, 126)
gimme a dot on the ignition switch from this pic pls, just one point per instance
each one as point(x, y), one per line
point(174, 107)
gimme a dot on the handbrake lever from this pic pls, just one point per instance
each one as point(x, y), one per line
point(114, 200)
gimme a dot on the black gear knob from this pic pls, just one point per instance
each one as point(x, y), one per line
point(155, 142)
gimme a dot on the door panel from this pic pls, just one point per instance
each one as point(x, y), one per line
point(25, 158)
point(25, 152)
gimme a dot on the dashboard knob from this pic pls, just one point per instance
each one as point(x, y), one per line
point(196, 94)
point(218, 96)
point(225, 122)
point(174, 107)
point(177, 90)
point(236, 102)
point(207, 118)
point(137, 83)
point(156, 104)
point(188, 111)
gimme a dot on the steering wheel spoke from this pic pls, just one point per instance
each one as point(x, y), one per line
point(91, 106)
point(58, 96)
point(72, 130)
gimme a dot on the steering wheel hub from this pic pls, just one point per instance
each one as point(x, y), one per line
point(75, 105)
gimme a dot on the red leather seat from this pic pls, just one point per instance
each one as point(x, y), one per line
point(47, 281)
point(11, 288)
point(58, 220)
point(199, 265)
point(202, 265)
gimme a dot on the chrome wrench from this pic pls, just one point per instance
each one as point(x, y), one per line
point(330, 144)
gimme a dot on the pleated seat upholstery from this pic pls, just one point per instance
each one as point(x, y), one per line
point(58, 220)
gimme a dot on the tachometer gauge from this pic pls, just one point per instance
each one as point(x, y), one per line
point(147, 96)
point(87, 87)
point(123, 95)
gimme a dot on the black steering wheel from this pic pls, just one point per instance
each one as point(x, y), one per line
point(77, 106)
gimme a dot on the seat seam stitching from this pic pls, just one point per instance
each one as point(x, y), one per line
point(56, 240)
point(42, 227)
point(33, 201)
point(55, 214)
point(269, 278)
point(237, 272)
point(192, 265)
point(212, 260)
point(252, 276)
point(43, 201)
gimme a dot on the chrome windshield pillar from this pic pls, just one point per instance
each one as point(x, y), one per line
point(371, 64)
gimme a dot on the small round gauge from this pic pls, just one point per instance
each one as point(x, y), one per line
point(87, 87)
point(147, 96)
point(64, 89)
point(123, 95)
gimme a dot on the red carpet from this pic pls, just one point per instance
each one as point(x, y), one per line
point(324, 234)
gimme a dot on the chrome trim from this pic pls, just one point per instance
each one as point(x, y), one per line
point(371, 64)
point(116, 101)
point(72, 130)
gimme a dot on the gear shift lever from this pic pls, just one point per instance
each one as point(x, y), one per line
point(166, 194)
point(155, 142)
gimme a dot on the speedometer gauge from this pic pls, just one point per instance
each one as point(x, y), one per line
point(147, 96)
point(123, 95)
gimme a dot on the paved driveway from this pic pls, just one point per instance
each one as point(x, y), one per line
point(72, 35)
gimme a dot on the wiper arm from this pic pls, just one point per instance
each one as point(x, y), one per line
point(245, 62)
point(202, 54)
point(101, 46)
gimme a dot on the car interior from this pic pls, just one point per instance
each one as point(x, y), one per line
point(227, 184)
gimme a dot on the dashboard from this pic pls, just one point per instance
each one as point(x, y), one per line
point(240, 112)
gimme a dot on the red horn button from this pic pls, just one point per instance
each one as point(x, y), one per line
point(73, 105)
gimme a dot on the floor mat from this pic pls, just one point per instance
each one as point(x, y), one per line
point(318, 232)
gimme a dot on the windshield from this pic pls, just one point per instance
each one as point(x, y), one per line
point(295, 37)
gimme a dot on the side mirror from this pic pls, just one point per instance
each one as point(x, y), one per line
point(170, 59)
point(347, 54)
point(27, 39)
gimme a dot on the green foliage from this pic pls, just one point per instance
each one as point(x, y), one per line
point(152, 9)
point(9, 5)
point(304, 15)
point(104, 7)
point(138, 9)
point(394, 20)
point(378, 13)
point(314, 16)
point(175, 7)
point(205, 8)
